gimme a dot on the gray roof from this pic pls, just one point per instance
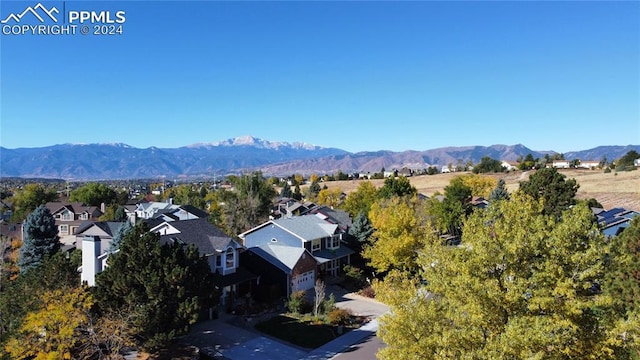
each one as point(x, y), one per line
point(199, 232)
point(308, 227)
point(326, 254)
point(109, 227)
point(339, 217)
point(284, 258)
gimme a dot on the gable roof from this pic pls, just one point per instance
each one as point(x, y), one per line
point(74, 207)
point(284, 258)
point(208, 238)
point(307, 227)
point(339, 217)
point(109, 227)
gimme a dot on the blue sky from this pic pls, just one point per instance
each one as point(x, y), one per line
point(360, 76)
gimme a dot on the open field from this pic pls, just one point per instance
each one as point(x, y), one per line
point(611, 190)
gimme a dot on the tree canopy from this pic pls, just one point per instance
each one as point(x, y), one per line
point(397, 186)
point(31, 196)
point(40, 239)
point(552, 188)
point(487, 165)
point(522, 285)
point(165, 286)
point(400, 229)
point(623, 277)
point(361, 199)
point(94, 194)
point(626, 162)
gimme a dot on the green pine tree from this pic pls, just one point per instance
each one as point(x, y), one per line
point(165, 287)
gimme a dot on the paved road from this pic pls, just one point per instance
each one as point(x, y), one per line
point(363, 350)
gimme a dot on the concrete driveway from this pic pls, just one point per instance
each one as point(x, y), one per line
point(222, 339)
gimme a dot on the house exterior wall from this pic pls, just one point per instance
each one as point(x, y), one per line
point(270, 276)
point(105, 239)
point(264, 235)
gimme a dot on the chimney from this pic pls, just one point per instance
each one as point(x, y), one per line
point(90, 263)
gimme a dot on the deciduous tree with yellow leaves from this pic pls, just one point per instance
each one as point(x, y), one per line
point(523, 285)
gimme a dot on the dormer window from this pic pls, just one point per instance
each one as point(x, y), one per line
point(315, 245)
point(67, 215)
point(230, 259)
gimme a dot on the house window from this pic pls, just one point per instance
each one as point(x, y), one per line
point(67, 216)
point(84, 216)
point(218, 261)
point(315, 245)
point(230, 262)
point(64, 229)
point(333, 242)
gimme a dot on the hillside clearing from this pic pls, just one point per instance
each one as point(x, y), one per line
point(611, 190)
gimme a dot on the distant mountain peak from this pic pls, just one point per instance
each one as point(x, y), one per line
point(257, 142)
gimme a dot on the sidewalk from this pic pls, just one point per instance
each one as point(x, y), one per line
point(335, 347)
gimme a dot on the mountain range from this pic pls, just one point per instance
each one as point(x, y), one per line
point(121, 161)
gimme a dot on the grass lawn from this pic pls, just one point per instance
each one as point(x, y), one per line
point(299, 332)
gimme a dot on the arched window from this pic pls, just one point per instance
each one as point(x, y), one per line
point(230, 262)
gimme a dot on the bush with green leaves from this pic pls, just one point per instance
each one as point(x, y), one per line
point(297, 302)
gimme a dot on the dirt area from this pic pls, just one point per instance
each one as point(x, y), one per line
point(611, 190)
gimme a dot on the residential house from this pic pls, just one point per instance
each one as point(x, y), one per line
point(636, 162)
point(167, 211)
point(317, 234)
point(221, 251)
point(614, 221)
point(589, 164)
point(509, 165)
point(69, 216)
point(561, 164)
point(283, 268)
point(94, 239)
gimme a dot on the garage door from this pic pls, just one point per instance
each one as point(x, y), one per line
point(304, 281)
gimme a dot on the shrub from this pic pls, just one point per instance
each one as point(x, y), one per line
point(297, 302)
point(607, 170)
point(329, 304)
point(339, 316)
point(368, 292)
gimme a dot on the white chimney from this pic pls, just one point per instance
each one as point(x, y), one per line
point(90, 263)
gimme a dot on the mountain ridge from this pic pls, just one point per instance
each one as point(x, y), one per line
point(122, 161)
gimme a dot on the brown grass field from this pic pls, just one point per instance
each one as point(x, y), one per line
point(611, 190)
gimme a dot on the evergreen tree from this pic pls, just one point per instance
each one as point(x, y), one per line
point(118, 237)
point(166, 286)
point(120, 214)
point(500, 192)
point(549, 185)
point(296, 192)
point(286, 191)
point(40, 239)
point(314, 189)
point(361, 230)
